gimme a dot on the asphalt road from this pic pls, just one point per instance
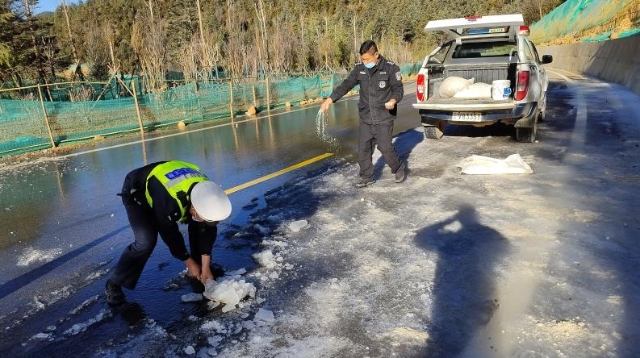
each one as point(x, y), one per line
point(443, 265)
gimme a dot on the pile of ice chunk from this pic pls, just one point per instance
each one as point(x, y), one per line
point(298, 225)
point(264, 315)
point(229, 291)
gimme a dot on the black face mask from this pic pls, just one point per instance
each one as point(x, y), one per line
point(211, 223)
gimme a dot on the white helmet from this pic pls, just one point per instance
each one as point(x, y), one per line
point(210, 201)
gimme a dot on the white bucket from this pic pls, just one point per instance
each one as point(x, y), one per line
point(500, 89)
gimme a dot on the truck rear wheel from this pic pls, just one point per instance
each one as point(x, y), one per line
point(434, 131)
point(543, 108)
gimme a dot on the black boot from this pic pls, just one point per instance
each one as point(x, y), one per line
point(114, 293)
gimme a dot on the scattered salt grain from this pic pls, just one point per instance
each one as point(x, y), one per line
point(265, 259)
point(189, 350)
point(42, 336)
point(248, 325)
point(191, 297)
point(264, 315)
point(214, 341)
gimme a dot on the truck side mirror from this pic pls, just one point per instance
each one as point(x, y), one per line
point(547, 59)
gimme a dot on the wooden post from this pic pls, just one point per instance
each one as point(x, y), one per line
point(255, 101)
point(333, 75)
point(46, 120)
point(231, 98)
point(268, 96)
point(144, 152)
point(135, 100)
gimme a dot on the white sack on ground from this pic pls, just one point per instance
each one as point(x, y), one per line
point(477, 164)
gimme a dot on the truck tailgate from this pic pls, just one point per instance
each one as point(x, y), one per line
point(464, 105)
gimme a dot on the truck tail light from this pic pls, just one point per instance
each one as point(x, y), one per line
point(522, 85)
point(420, 87)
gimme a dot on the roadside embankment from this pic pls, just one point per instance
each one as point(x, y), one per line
point(613, 60)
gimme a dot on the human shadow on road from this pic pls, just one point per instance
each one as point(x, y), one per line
point(464, 287)
point(404, 143)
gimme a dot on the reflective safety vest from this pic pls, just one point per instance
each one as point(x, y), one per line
point(176, 177)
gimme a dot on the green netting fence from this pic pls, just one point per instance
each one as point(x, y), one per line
point(42, 117)
point(580, 17)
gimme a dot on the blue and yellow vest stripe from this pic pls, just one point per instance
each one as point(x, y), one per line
point(177, 177)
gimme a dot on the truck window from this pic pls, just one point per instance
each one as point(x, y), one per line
point(528, 52)
point(484, 49)
point(535, 51)
point(439, 56)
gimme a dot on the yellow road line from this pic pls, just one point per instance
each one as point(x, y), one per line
point(275, 174)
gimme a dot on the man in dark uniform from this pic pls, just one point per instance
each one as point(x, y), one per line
point(157, 197)
point(380, 91)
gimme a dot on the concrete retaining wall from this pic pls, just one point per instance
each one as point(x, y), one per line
point(612, 61)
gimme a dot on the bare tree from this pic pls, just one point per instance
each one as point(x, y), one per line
point(148, 40)
point(283, 46)
point(193, 63)
point(97, 50)
point(187, 58)
point(239, 50)
point(263, 47)
point(76, 60)
point(357, 9)
point(34, 42)
point(534, 10)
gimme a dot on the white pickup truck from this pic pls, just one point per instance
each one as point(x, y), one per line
point(464, 80)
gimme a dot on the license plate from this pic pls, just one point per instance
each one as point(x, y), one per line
point(466, 116)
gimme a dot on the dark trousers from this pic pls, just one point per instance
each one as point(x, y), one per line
point(369, 136)
point(135, 256)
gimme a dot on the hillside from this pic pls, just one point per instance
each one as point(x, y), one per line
point(588, 20)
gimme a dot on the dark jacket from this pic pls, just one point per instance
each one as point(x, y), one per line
point(165, 214)
point(377, 86)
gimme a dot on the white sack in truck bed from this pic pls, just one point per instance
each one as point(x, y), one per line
point(452, 85)
point(475, 91)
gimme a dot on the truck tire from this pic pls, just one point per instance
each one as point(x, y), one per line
point(435, 131)
point(543, 108)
